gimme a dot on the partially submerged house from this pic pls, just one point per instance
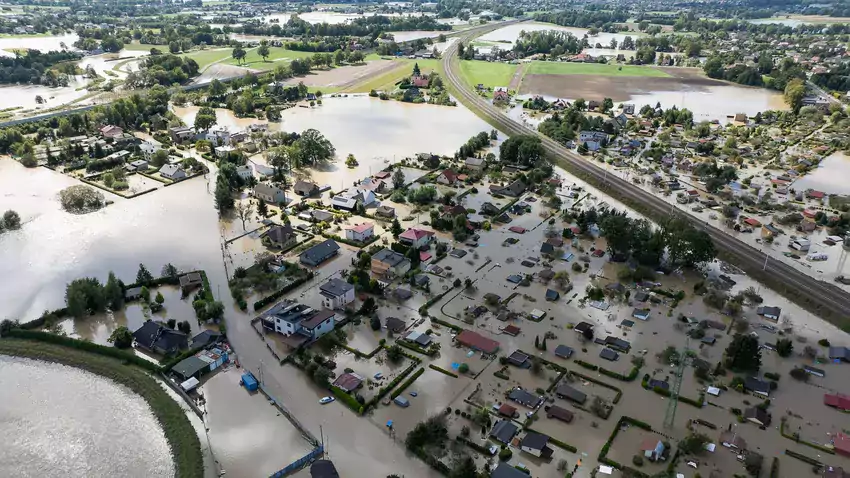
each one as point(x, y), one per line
point(563, 351)
point(837, 400)
point(757, 415)
point(771, 313)
point(476, 341)
point(319, 253)
point(755, 385)
point(525, 398)
point(569, 393)
point(280, 236)
point(290, 318)
point(559, 413)
point(157, 338)
point(337, 293)
point(652, 448)
point(504, 431)
point(416, 238)
point(389, 263)
point(535, 444)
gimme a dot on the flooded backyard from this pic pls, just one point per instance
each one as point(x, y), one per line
point(62, 421)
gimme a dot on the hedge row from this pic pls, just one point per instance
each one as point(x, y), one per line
point(41, 321)
point(557, 443)
point(407, 383)
point(499, 374)
point(415, 348)
point(602, 384)
point(475, 446)
point(447, 324)
point(277, 295)
point(603, 453)
point(442, 370)
point(433, 300)
point(774, 468)
point(804, 442)
point(384, 390)
point(802, 458)
point(127, 357)
point(666, 393)
point(625, 378)
point(586, 365)
point(352, 402)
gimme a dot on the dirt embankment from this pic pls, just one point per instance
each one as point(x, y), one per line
point(618, 88)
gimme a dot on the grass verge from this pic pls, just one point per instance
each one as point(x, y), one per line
point(181, 436)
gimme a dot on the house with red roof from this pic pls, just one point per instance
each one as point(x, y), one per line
point(837, 400)
point(420, 81)
point(815, 194)
point(841, 443)
point(360, 232)
point(501, 95)
point(512, 330)
point(476, 341)
point(751, 221)
point(416, 238)
point(447, 177)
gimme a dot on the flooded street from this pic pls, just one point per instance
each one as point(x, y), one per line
point(62, 421)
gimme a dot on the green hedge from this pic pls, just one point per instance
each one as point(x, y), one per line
point(774, 468)
point(113, 352)
point(433, 300)
point(447, 324)
point(415, 348)
point(499, 374)
point(586, 365)
point(807, 443)
point(557, 443)
point(41, 321)
point(407, 383)
point(625, 378)
point(603, 453)
point(352, 402)
point(275, 296)
point(442, 370)
point(802, 458)
point(384, 390)
point(666, 393)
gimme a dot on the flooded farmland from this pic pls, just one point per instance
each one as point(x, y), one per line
point(510, 33)
point(830, 176)
point(41, 43)
point(62, 421)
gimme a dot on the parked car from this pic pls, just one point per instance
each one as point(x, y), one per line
point(326, 400)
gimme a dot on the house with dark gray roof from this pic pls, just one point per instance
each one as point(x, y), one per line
point(505, 470)
point(839, 353)
point(157, 338)
point(618, 344)
point(757, 415)
point(337, 293)
point(569, 393)
point(609, 354)
point(504, 431)
point(389, 263)
point(524, 397)
point(280, 236)
point(535, 444)
point(563, 351)
point(319, 253)
point(755, 385)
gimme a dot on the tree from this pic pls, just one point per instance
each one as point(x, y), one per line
point(398, 179)
point(159, 298)
point(121, 337)
point(416, 71)
point(694, 444)
point(113, 292)
point(223, 198)
point(394, 353)
point(84, 296)
point(239, 54)
point(205, 118)
point(526, 150)
point(463, 368)
point(587, 334)
point(171, 323)
point(184, 327)
point(159, 158)
point(464, 468)
point(312, 147)
point(244, 211)
point(263, 49)
point(396, 228)
point(262, 208)
point(743, 354)
point(784, 347)
point(169, 270)
point(375, 323)
point(11, 220)
point(143, 276)
point(795, 91)
point(351, 161)
point(216, 88)
point(145, 294)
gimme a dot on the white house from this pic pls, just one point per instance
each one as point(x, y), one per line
point(172, 172)
point(269, 193)
point(291, 318)
point(219, 136)
point(416, 238)
point(337, 293)
point(360, 232)
point(149, 146)
point(593, 139)
point(535, 444)
point(448, 177)
point(245, 172)
point(223, 151)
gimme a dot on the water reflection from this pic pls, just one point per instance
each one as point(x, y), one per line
point(62, 421)
point(830, 176)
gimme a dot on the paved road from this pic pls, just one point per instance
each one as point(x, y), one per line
point(823, 93)
point(829, 299)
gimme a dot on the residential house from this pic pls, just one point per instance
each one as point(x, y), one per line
point(281, 237)
point(348, 382)
point(768, 312)
point(155, 337)
point(476, 341)
point(841, 443)
point(839, 354)
point(420, 81)
point(757, 386)
point(205, 339)
point(111, 131)
point(190, 282)
point(504, 431)
point(338, 293)
point(305, 188)
point(518, 359)
point(535, 444)
point(385, 211)
point(489, 209)
point(290, 318)
point(389, 263)
point(323, 469)
point(172, 172)
point(594, 140)
point(563, 351)
point(569, 393)
point(500, 95)
point(225, 151)
point(448, 177)
point(343, 202)
point(181, 134)
point(837, 400)
point(652, 448)
point(360, 232)
point(506, 410)
point(419, 338)
point(757, 415)
point(609, 354)
point(137, 165)
point(506, 470)
point(319, 253)
point(395, 325)
point(475, 165)
point(583, 327)
point(731, 439)
point(270, 193)
point(416, 238)
point(149, 146)
point(559, 413)
point(641, 314)
point(514, 189)
point(246, 172)
point(618, 344)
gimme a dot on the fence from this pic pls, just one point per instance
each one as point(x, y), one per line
point(299, 463)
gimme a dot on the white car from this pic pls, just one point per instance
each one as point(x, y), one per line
point(326, 400)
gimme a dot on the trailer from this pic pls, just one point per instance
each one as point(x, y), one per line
point(249, 382)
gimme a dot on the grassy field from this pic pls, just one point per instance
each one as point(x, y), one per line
point(487, 73)
point(181, 436)
point(205, 57)
point(553, 68)
point(387, 81)
point(140, 47)
point(276, 54)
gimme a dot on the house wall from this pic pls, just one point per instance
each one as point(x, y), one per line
point(324, 327)
point(353, 235)
point(283, 327)
point(531, 451)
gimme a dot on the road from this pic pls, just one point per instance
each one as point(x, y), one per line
point(821, 298)
point(822, 93)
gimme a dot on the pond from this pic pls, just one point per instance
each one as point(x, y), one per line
point(63, 421)
point(376, 132)
point(830, 176)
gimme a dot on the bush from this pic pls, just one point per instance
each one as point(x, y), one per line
point(637, 460)
point(823, 342)
point(505, 454)
point(463, 368)
point(771, 376)
point(442, 370)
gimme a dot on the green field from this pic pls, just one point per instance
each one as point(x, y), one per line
point(205, 57)
point(276, 54)
point(387, 81)
point(487, 73)
point(553, 68)
point(140, 47)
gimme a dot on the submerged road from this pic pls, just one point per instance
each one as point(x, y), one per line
point(822, 298)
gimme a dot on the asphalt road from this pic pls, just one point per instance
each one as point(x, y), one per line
point(817, 296)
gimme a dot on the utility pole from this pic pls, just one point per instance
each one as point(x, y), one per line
point(670, 415)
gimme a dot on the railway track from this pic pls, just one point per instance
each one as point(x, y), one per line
point(819, 297)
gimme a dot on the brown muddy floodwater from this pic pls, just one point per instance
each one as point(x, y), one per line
point(61, 421)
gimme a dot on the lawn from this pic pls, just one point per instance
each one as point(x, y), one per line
point(556, 68)
point(387, 81)
point(206, 57)
point(141, 47)
point(276, 54)
point(487, 73)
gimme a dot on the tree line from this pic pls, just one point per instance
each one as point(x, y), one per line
point(367, 26)
point(585, 18)
point(37, 68)
point(164, 70)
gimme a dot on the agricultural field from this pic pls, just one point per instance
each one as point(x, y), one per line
point(487, 73)
point(553, 68)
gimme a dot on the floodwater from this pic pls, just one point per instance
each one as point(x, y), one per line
point(715, 102)
point(416, 34)
point(510, 33)
point(62, 421)
point(376, 132)
point(44, 44)
point(324, 17)
point(788, 22)
point(830, 176)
